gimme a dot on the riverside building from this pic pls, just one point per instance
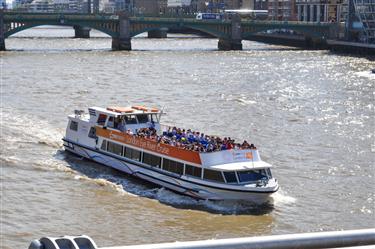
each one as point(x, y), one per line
point(282, 10)
point(319, 10)
point(3, 4)
point(362, 19)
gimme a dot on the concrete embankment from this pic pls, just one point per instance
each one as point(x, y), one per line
point(280, 39)
point(302, 42)
point(351, 47)
point(298, 41)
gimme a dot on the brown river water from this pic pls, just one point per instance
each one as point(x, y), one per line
point(310, 113)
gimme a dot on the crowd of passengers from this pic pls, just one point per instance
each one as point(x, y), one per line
point(191, 140)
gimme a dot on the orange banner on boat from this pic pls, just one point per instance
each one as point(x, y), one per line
point(151, 145)
point(249, 155)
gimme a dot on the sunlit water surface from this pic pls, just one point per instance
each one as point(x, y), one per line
point(311, 114)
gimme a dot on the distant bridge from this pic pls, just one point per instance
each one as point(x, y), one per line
point(123, 27)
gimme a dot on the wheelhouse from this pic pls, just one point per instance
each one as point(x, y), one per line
point(125, 118)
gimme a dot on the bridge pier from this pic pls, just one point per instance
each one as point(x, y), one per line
point(121, 44)
point(81, 32)
point(235, 40)
point(315, 43)
point(226, 45)
point(157, 33)
point(2, 31)
point(123, 41)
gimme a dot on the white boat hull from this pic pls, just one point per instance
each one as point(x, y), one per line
point(175, 183)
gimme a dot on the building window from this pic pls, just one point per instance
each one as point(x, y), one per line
point(132, 154)
point(193, 171)
point(151, 160)
point(213, 175)
point(114, 148)
point(73, 125)
point(173, 166)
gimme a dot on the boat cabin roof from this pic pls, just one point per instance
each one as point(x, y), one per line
point(105, 111)
point(128, 110)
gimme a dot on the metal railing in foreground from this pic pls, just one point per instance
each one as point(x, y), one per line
point(336, 239)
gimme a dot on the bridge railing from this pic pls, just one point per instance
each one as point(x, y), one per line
point(165, 15)
point(151, 17)
point(160, 15)
point(28, 16)
point(133, 14)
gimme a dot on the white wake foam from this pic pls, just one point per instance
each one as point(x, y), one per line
point(282, 198)
point(366, 74)
point(24, 128)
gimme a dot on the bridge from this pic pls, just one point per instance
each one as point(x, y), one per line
point(122, 27)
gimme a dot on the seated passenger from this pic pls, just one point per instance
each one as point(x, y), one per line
point(245, 145)
point(229, 146)
point(223, 147)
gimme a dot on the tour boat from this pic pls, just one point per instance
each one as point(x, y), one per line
point(111, 136)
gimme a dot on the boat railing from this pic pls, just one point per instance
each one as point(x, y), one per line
point(165, 128)
point(79, 113)
point(230, 156)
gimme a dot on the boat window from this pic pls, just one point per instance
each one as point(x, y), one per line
point(117, 122)
point(104, 145)
point(101, 119)
point(252, 175)
point(269, 173)
point(110, 123)
point(151, 160)
point(73, 125)
point(173, 166)
point(130, 119)
point(92, 132)
point(133, 154)
point(193, 171)
point(213, 175)
point(230, 176)
point(142, 118)
point(114, 148)
point(154, 118)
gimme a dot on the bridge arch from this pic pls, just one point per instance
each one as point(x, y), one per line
point(23, 27)
point(305, 34)
point(210, 31)
point(319, 32)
